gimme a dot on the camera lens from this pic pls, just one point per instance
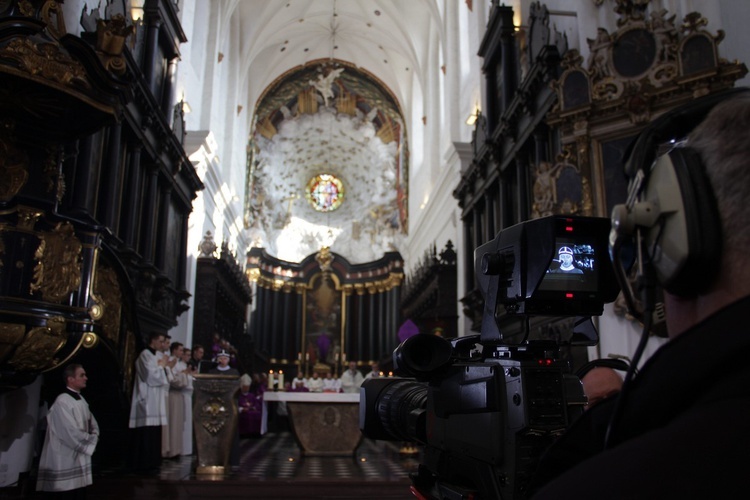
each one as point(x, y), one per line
point(401, 409)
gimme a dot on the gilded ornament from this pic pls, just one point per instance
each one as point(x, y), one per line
point(109, 299)
point(47, 61)
point(253, 274)
point(90, 340)
point(52, 174)
point(27, 218)
point(58, 268)
point(11, 335)
point(37, 352)
point(214, 415)
point(111, 35)
point(51, 13)
point(14, 173)
point(26, 8)
point(324, 259)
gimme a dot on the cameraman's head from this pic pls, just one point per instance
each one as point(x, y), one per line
point(722, 141)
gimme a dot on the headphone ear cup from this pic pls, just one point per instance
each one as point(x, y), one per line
point(685, 249)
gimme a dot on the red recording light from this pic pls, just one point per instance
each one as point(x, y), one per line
point(568, 295)
point(545, 362)
point(569, 229)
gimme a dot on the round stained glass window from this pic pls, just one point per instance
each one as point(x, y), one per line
point(325, 192)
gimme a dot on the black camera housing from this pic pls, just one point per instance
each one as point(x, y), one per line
point(518, 270)
point(485, 409)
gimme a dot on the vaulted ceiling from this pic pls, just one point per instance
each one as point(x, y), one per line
point(315, 54)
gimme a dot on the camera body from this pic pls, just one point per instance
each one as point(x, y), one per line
point(484, 408)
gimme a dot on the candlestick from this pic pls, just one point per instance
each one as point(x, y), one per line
point(281, 380)
point(270, 379)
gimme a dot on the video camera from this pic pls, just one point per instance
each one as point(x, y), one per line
point(484, 408)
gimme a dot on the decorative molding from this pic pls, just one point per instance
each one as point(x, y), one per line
point(58, 269)
point(37, 352)
point(14, 169)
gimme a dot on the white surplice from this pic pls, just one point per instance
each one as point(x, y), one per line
point(72, 434)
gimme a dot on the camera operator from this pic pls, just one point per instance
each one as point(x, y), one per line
point(682, 428)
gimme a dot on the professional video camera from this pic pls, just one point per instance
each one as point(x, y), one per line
point(484, 408)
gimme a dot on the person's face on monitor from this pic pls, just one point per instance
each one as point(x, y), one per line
point(566, 259)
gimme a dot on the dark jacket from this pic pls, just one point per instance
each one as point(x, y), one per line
point(684, 431)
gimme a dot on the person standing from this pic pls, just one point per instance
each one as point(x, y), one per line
point(176, 404)
point(223, 368)
point(187, 401)
point(351, 379)
point(374, 371)
point(315, 383)
point(331, 383)
point(250, 407)
point(72, 435)
point(148, 412)
point(196, 357)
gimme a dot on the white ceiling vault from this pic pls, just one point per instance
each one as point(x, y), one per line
point(327, 118)
point(296, 50)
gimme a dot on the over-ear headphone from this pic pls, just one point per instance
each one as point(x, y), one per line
point(671, 209)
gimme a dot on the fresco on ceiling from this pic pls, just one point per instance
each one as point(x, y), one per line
point(327, 118)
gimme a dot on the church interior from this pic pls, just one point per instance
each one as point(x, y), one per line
point(303, 183)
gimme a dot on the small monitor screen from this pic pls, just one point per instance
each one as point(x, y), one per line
point(573, 267)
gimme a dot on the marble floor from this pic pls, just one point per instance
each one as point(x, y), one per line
point(272, 467)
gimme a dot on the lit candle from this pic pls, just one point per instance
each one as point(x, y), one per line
point(307, 356)
point(270, 379)
point(343, 358)
point(299, 356)
point(281, 380)
point(390, 374)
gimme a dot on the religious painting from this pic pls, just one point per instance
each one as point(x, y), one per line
point(323, 321)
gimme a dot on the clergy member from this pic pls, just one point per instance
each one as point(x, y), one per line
point(148, 412)
point(175, 404)
point(351, 379)
point(72, 434)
